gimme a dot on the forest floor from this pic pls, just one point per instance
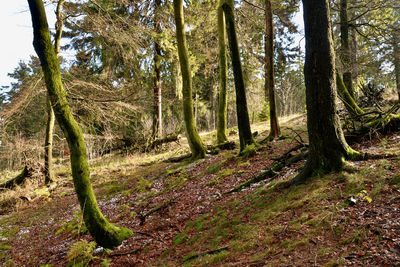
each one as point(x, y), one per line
point(181, 215)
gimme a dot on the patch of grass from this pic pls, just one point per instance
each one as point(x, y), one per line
point(111, 188)
point(395, 180)
point(357, 237)
point(75, 227)
point(226, 172)
point(80, 253)
point(336, 262)
point(248, 151)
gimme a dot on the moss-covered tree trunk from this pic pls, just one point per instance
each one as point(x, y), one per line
point(269, 72)
point(345, 48)
point(195, 143)
point(328, 148)
point(348, 100)
point(104, 233)
point(157, 112)
point(48, 144)
point(223, 79)
point(396, 60)
point(245, 135)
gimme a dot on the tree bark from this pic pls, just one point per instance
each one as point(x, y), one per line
point(104, 233)
point(269, 72)
point(195, 143)
point(48, 144)
point(245, 136)
point(157, 115)
point(396, 61)
point(345, 47)
point(223, 80)
point(328, 148)
point(347, 99)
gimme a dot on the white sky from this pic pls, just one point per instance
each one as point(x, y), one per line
point(17, 36)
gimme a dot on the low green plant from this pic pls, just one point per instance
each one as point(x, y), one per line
point(76, 226)
point(80, 253)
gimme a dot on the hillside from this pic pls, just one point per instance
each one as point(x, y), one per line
point(182, 215)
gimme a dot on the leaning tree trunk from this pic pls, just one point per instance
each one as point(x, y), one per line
point(48, 144)
point(104, 233)
point(328, 148)
point(348, 101)
point(245, 135)
point(223, 77)
point(345, 47)
point(157, 115)
point(195, 143)
point(269, 71)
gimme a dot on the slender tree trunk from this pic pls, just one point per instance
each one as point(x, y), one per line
point(104, 233)
point(345, 47)
point(396, 60)
point(269, 71)
point(223, 80)
point(157, 115)
point(48, 145)
point(195, 143)
point(245, 136)
point(348, 100)
point(328, 148)
point(354, 60)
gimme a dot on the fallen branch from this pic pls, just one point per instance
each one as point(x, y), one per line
point(178, 159)
point(271, 172)
point(210, 252)
point(142, 218)
point(19, 179)
point(158, 142)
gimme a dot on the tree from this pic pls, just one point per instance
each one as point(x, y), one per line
point(245, 135)
point(328, 148)
point(157, 115)
point(345, 48)
point(269, 71)
point(48, 144)
point(104, 233)
point(195, 143)
point(223, 76)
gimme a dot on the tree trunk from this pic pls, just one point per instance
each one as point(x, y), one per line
point(245, 136)
point(223, 80)
point(195, 143)
point(48, 145)
point(396, 61)
point(104, 233)
point(328, 148)
point(157, 115)
point(347, 99)
point(345, 47)
point(269, 71)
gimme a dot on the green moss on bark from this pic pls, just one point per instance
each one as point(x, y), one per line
point(245, 135)
point(223, 78)
point(195, 143)
point(104, 233)
point(347, 99)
